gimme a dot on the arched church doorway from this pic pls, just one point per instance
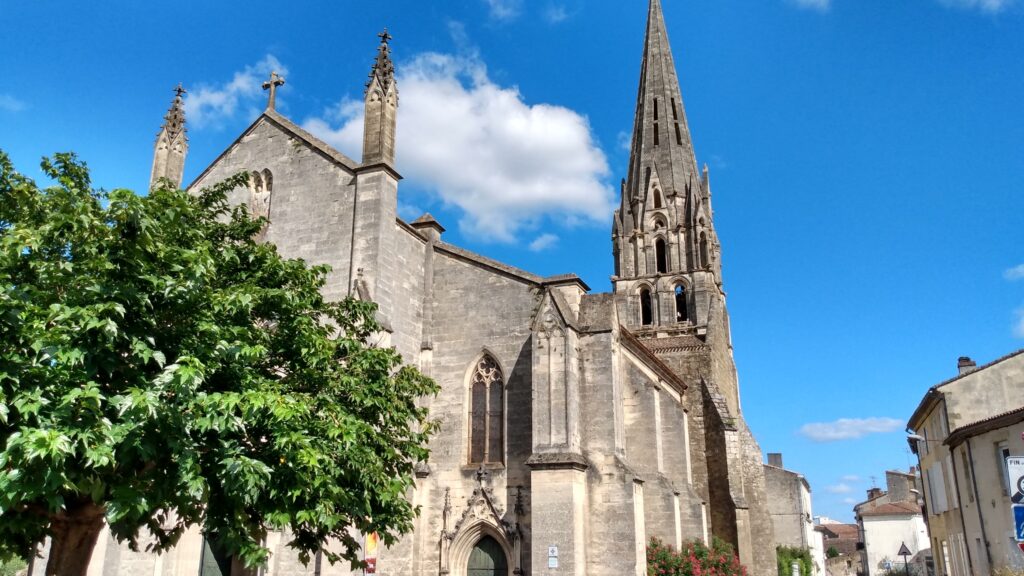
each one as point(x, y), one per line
point(487, 559)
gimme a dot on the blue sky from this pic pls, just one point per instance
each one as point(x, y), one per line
point(867, 160)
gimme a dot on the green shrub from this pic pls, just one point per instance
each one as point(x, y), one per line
point(695, 559)
point(786, 556)
point(11, 567)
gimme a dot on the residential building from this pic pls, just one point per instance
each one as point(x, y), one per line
point(986, 492)
point(789, 504)
point(890, 519)
point(975, 396)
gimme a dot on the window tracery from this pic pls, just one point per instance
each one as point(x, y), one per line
point(487, 413)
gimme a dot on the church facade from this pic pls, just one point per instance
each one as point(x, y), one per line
point(575, 425)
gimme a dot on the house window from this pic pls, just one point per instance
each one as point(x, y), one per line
point(660, 255)
point(1002, 453)
point(487, 413)
point(681, 310)
point(646, 308)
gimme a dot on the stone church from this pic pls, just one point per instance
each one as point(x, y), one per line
point(576, 425)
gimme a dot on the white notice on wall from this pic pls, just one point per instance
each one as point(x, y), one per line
point(1015, 470)
point(553, 551)
point(552, 561)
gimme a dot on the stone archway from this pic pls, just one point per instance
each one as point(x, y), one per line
point(487, 558)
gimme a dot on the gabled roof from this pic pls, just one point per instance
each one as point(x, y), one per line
point(933, 395)
point(296, 131)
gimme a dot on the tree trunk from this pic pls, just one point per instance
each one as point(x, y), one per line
point(74, 536)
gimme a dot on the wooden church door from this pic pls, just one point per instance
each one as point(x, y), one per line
point(487, 559)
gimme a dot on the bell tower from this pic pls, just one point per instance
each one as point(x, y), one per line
point(663, 238)
point(171, 144)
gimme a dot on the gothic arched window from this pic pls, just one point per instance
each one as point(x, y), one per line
point(704, 250)
point(681, 309)
point(657, 198)
point(268, 180)
point(660, 256)
point(646, 307)
point(487, 413)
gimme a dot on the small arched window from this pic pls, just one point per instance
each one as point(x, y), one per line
point(704, 250)
point(681, 306)
point(657, 198)
point(646, 307)
point(487, 413)
point(660, 256)
point(257, 182)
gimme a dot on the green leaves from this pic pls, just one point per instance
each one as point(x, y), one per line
point(154, 358)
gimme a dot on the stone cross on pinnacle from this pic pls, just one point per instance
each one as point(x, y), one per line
point(179, 90)
point(272, 85)
point(384, 36)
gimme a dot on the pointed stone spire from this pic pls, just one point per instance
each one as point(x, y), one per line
point(381, 102)
point(171, 143)
point(661, 137)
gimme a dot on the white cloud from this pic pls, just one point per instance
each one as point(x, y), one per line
point(849, 428)
point(9, 103)
point(1018, 323)
point(624, 140)
point(1015, 273)
point(850, 478)
point(850, 501)
point(840, 488)
point(479, 146)
point(556, 13)
point(543, 242)
point(504, 9)
point(819, 5)
point(211, 105)
point(990, 6)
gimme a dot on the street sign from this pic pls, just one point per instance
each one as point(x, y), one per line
point(1015, 471)
point(1018, 522)
point(904, 551)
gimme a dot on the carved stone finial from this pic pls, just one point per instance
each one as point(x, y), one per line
point(272, 84)
point(482, 475)
point(384, 36)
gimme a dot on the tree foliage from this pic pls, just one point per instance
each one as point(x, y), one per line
point(159, 369)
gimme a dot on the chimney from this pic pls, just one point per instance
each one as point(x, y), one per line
point(874, 493)
point(965, 365)
point(913, 470)
point(775, 459)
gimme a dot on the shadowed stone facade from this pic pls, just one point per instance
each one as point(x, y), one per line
point(575, 426)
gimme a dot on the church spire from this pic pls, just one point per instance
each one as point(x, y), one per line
point(171, 144)
point(665, 246)
point(661, 136)
point(381, 102)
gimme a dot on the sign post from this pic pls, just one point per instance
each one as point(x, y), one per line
point(904, 551)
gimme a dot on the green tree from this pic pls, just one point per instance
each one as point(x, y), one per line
point(785, 557)
point(832, 552)
point(160, 369)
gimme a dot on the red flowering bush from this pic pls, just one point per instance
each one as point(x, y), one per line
point(695, 559)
